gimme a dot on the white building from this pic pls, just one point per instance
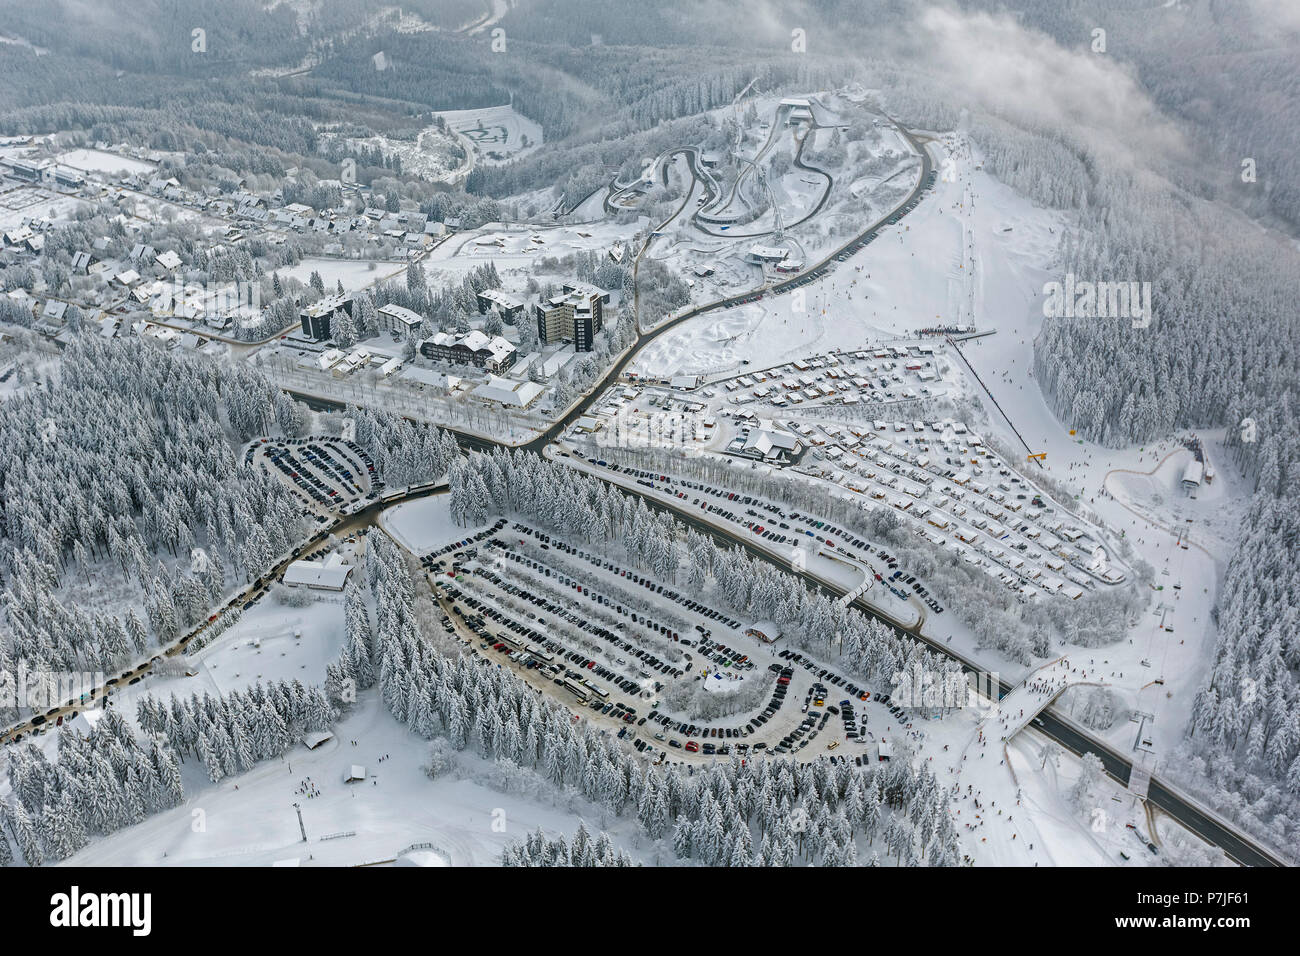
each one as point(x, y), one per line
point(767, 254)
point(168, 260)
point(508, 392)
point(770, 444)
point(328, 575)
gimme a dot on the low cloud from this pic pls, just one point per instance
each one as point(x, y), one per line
point(992, 62)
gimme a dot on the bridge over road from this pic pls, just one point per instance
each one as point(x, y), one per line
point(1036, 692)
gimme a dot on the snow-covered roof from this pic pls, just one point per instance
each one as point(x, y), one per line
point(501, 298)
point(328, 304)
point(768, 252)
point(771, 442)
point(405, 316)
point(508, 392)
point(476, 341)
point(330, 574)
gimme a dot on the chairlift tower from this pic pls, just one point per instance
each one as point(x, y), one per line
point(1142, 718)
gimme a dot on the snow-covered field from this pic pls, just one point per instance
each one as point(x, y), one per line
point(423, 525)
point(250, 820)
point(497, 134)
point(98, 161)
point(354, 274)
point(20, 202)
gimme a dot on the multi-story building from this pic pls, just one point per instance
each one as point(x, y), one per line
point(316, 317)
point(398, 320)
point(473, 348)
point(574, 316)
point(510, 307)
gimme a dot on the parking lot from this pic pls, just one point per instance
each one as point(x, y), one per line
point(332, 475)
point(607, 641)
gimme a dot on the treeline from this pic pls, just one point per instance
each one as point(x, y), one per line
point(97, 784)
point(536, 850)
point(123, 460)
point(230, 734)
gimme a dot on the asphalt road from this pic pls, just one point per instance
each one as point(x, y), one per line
point(342, 526)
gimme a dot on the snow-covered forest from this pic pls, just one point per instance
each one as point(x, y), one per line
point(1223, 350)
point(418, 155)
point(122, 469)
point(100, 782)
point(231, 734)
point(538, 850)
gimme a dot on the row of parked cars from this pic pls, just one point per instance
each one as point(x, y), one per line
point(921, 592)
point(850, 720)
point(332, 464)
point(546, 542)
point(531, 656)
point(722, 655)
point(648, 660)
point(816, 696)
point(755, 523)
point(635, 577)
point(536, 630)
point(430, 560)
point(825, 674)
point(540, 655)
point(802, 735)
point(304, 460)
point(898, 577)
point(687, 729)
point(573, 668)
point(306, 480)
point(624, 642)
